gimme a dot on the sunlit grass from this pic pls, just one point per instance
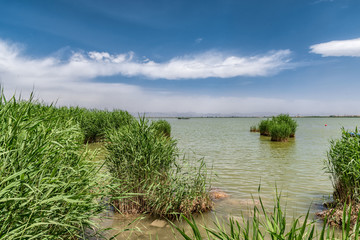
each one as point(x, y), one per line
point(47, 179)
point(147, 166)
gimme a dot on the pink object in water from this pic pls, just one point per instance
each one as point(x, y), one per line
point(325, 125)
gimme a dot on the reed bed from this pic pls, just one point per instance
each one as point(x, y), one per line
point(279, 128)
point(343, 163)
point(162, 127)
point(280, 132)
point(264, 127)
point(148, 166)
point(254, 128)
point(47, 179)
point(94, 123)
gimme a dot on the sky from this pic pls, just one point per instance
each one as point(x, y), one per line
point(227, 57)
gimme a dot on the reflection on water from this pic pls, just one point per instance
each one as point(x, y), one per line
point(243, 160)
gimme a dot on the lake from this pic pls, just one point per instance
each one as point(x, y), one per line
point(241, 161)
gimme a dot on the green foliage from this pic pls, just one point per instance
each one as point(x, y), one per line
point(285, 118)
point(280, 132)
point(46, 179)
point(265, 224)
point(162, 127)
point(254, 128)
point(280, 128)
point(264, 127)
point(343, 162)
point(94, 123)
point(147, 166)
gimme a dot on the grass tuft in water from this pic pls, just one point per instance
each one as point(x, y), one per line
point(343, 163)
point(147, 166)
point(254, 128)
point(280, 128)
point(264, 127)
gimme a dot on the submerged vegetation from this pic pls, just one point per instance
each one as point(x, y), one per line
point(279, 128)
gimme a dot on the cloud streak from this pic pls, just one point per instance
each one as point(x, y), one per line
point(342, 48)
point(98, 64)
point(68, 82)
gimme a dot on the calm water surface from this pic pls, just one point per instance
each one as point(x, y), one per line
point(243, 160)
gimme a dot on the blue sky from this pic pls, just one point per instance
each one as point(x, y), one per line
point(247, 57)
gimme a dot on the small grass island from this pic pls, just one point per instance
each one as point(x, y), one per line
point(279, 128)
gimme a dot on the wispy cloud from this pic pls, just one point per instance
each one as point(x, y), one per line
point(322, 1)
point(96, 64)
point(349, 48)
point(198, 40)
point(68, 81)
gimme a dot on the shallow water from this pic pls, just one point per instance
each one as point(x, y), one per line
point(243, 161)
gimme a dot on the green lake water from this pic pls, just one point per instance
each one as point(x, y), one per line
point(243, 160)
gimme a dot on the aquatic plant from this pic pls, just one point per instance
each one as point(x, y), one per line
point(280, 131)
point(47, 179)
point(162, 127)
point(94, 123)
point(264, 127)
point(285, 118)
point(343, 163)
point(147, 166)
point(280, 127)
point(254, 128)
point(266, 225)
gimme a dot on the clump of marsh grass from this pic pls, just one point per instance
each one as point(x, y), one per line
point(46, 179)
point(254, 128)
point(280, 128)
point(94, 123)
point(280, 132)
point(264, 127)
point(265, 224)
point(286, 119)
point(162, 127)
point(147, 166)
point(343, 163)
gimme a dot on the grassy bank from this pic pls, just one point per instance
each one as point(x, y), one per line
point(49, 184)
point(47, 179)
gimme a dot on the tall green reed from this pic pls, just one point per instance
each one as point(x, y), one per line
point(147, 166)
point(46, 178)
point(343, 163)
point(280, 127)
point(264, 127)
point(162, 127)
point(280, 132)
point(265, 224)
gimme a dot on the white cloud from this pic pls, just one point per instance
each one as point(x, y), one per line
point(68, 82)
point(321, 1)
point(349, 48)
point(95, 64)
point(198, 40)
